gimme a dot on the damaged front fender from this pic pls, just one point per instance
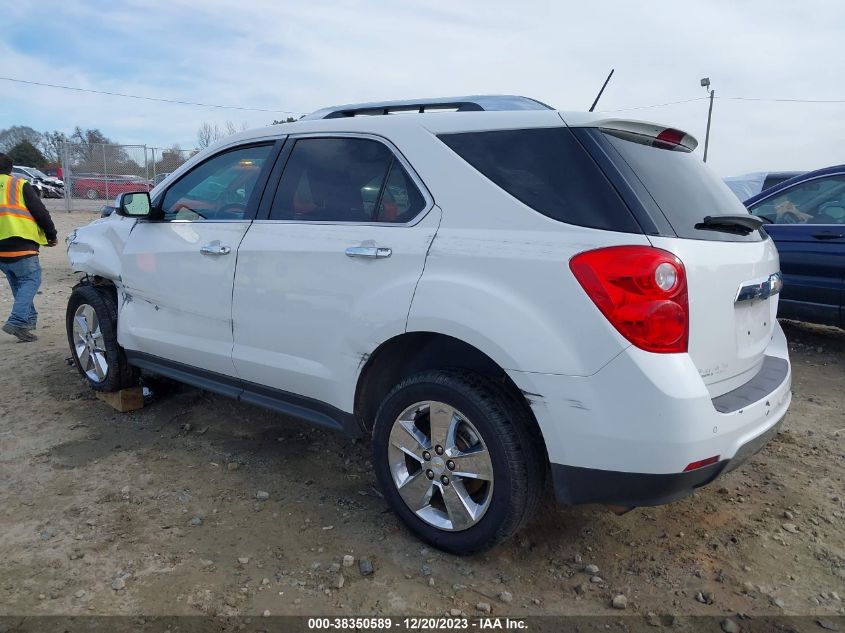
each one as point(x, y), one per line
point(96, 248)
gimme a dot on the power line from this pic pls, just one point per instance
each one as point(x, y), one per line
point(143, 98)
point(757, 99)
point(784, 100)
point(656, 105)
point(244, 108)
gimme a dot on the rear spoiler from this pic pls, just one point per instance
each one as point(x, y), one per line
point(649, 133)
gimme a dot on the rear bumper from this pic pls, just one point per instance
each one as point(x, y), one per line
point(625, 434)
point(575, 485)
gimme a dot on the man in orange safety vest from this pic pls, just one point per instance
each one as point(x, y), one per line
point(25, 225)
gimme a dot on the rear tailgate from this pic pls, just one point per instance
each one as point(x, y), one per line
point(728, 333)
point(727, 338)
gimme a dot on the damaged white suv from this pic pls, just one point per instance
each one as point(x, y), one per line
point(495, 292)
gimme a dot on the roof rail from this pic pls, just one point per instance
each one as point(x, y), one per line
point(477, 103)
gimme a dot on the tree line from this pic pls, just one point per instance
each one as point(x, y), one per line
point(91, 148)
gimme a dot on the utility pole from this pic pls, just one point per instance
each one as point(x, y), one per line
point(705, 83)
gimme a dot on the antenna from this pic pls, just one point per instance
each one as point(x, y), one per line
point(604, 85)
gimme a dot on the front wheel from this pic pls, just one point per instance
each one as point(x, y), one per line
point(91, 322)
point(457, 459)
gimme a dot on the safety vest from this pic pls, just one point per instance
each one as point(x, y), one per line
point(15, 218)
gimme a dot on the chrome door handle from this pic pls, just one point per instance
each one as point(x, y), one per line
point(374, 252)
point(215, 249)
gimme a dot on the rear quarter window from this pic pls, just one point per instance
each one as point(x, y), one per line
point(548, 170)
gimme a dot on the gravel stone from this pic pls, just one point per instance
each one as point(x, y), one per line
point(365, 567)
point(348, 560)
point(729, 626)
point(619, 602)
point(484, 607)
point(262, 495)
point(591, 570)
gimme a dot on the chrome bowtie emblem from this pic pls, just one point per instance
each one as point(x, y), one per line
point(760, 289)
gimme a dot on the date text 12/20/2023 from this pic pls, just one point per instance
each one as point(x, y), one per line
point(416, 624)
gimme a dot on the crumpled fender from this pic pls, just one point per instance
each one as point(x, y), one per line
point(96, 248)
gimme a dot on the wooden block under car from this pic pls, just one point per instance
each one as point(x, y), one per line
point(130, 399)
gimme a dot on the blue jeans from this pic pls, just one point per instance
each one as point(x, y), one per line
point(24, 278)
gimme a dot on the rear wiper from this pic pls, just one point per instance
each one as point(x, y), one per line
point(737, 224)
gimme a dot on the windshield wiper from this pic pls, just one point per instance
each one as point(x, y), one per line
point(737, 224)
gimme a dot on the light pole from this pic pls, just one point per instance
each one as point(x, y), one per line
point(705, 83)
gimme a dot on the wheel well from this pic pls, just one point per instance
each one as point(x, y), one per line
point(100, 283)
point(411, 353)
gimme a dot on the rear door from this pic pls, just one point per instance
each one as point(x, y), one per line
point(333, 267)
point(178, 270)
point(808, 226)
point(728, 337)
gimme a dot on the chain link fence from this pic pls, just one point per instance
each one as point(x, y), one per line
point(95, 173)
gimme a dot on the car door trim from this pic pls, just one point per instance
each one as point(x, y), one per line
point(301, 407)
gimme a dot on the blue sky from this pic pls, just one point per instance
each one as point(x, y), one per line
point(300, 56)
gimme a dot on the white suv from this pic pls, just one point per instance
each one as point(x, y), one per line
point(494, 291)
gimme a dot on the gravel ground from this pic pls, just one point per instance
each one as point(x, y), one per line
point(200, 505)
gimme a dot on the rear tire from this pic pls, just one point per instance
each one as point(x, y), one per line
point(473, 489)
point(91, 322)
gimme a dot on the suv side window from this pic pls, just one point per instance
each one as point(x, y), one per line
point(548, 170)
point(345, 180)
point(218, 189)
point(819, 201)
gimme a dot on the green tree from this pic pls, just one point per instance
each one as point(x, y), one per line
point(26, 154)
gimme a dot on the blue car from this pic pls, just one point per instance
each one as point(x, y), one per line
point(806, 220)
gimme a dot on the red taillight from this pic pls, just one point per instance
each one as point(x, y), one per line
point(701, 463)
point(642, 291)
point(668, 139)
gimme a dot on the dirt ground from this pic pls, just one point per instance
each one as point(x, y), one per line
point(156, 512)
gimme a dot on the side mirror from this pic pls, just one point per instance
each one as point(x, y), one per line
point(133, 205)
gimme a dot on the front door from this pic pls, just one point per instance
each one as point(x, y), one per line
point(333, 269)
point(177, 269)
point(808, 227)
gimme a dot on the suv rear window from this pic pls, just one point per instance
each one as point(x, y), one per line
point(681, 185)
point(548, 170)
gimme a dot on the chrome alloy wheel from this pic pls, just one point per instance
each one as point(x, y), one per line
point(89, 343)
point(440, 466)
